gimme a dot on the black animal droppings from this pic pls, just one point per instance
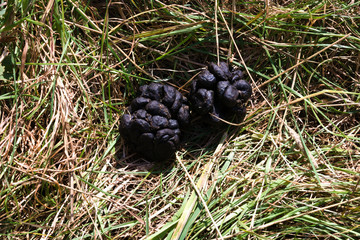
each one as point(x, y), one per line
point(169, 95)
point(221, 71)
point(140, 125)
point(154, 91)
point(237, 75)
point(139, 103)
point(183, 114)
point(177, 102)
point(157, 108)
point(203, 100)
point(154, 119)
point(173, 124)
point(125, 121)
point(230, 96)
point(206, 79)
point(220, 92)
point(159, 122)
point(152, 126)
point(141, 113)
point(243, 87)
point(221, 87)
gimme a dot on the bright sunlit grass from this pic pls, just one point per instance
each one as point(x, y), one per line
point(68, 69)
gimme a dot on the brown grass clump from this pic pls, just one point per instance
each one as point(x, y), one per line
point(69, 68)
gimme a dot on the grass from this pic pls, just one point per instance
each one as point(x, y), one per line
point(289, 171)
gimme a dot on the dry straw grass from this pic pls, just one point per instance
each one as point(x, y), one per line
point(69, 68)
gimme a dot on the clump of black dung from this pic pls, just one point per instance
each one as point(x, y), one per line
point(152, 126)
point(220, 92)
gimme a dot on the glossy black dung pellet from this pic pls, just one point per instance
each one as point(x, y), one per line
point(152, 126)
point(220, 92)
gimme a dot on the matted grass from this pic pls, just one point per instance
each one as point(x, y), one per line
point(69, 68)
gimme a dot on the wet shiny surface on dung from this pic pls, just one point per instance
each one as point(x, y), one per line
point(220, 92)
point(152, 126)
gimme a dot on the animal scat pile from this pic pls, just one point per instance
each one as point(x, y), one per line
point(153, 125)
point(220, 93)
